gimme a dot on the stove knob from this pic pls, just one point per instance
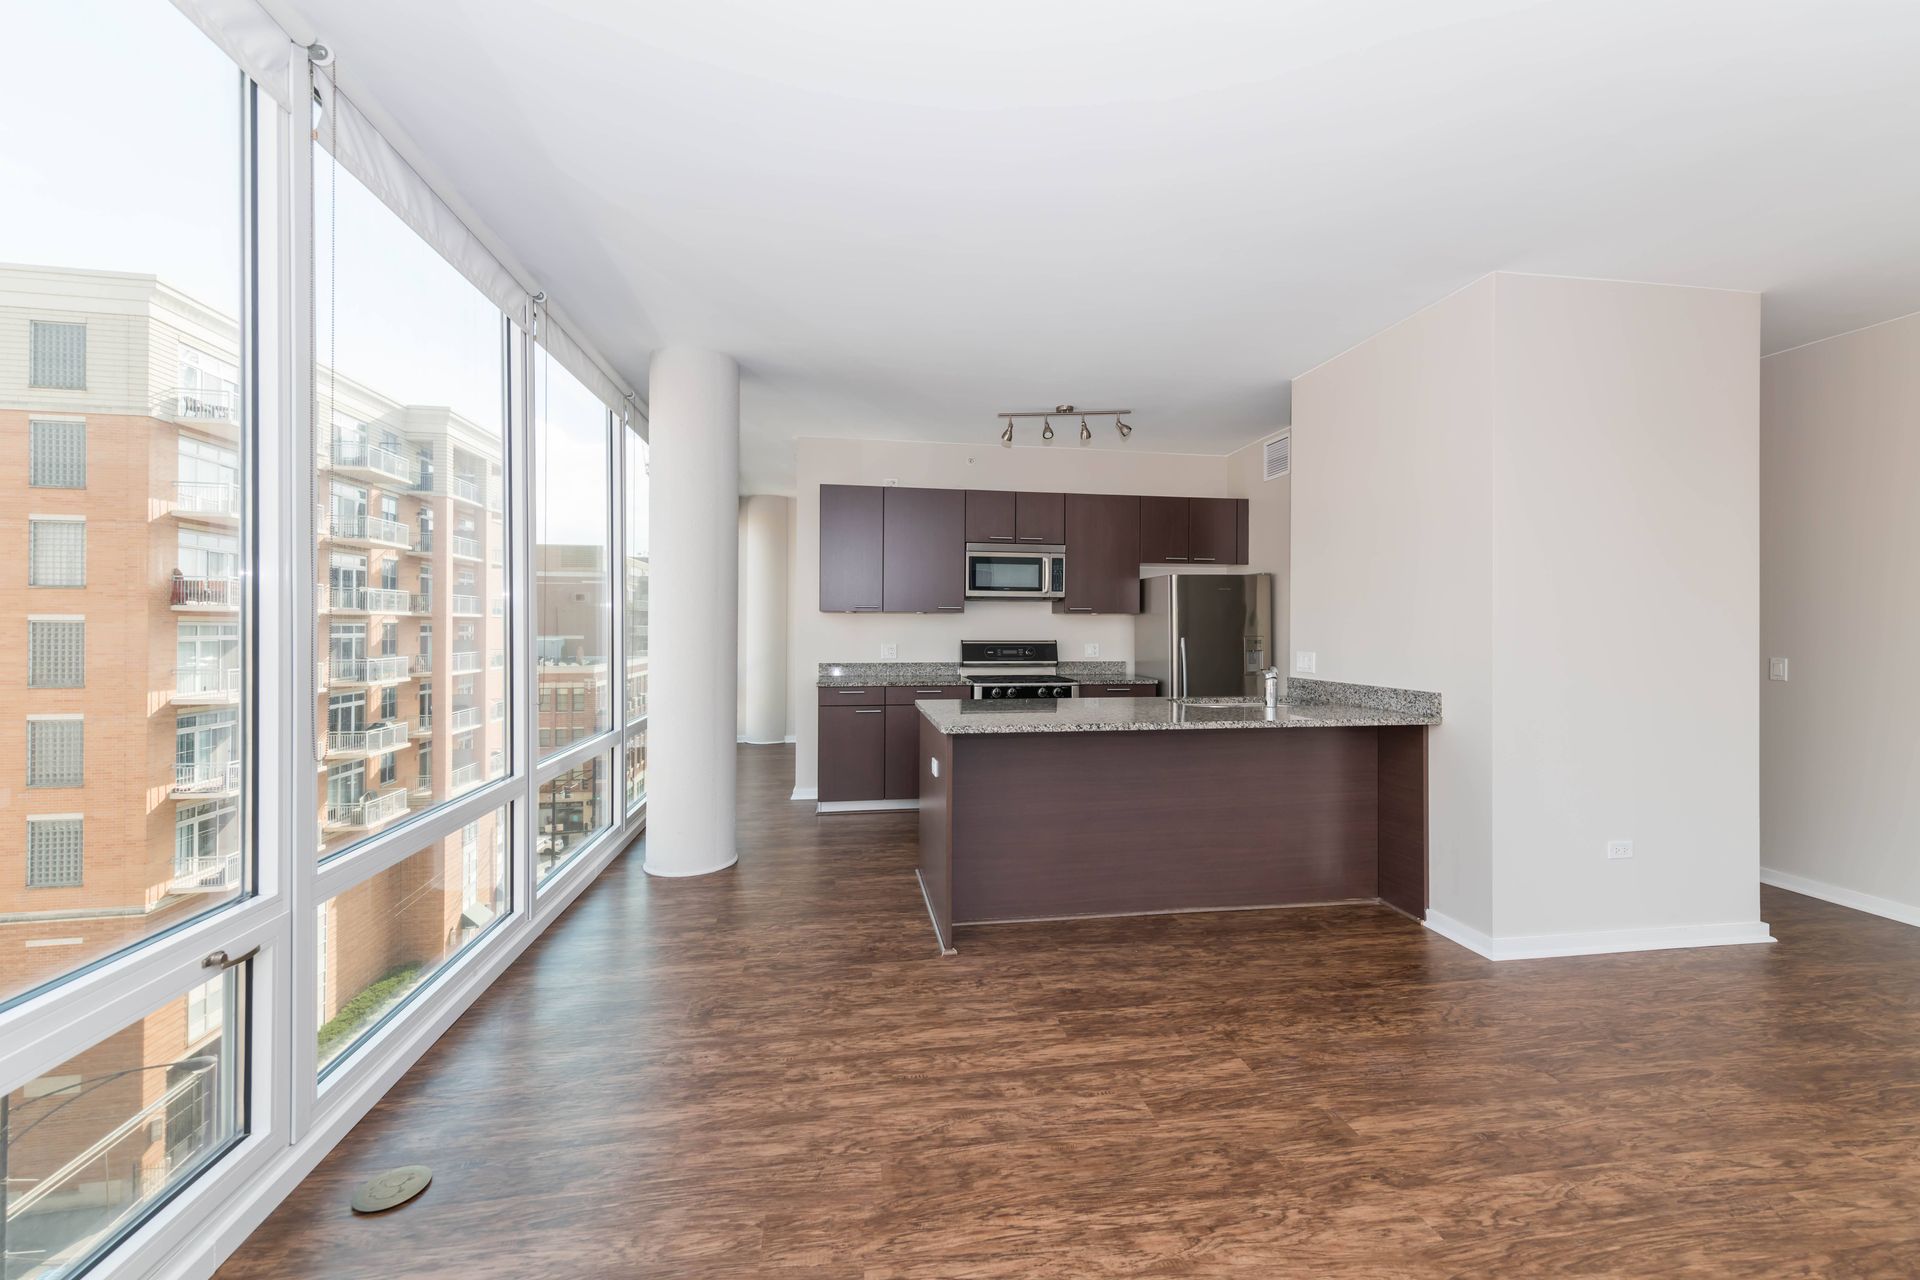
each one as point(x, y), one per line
point(996, 692)
point(1059, 691)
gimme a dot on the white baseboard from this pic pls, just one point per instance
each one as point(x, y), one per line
point(741, 739)
point(1543, 946)
point(864, 806)
point(805, 793)
point(1867, 902)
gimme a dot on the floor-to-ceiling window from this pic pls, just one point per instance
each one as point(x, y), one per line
point(634, 616)
point(126, 711)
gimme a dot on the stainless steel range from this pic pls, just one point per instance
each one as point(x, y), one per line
point(1027, 670)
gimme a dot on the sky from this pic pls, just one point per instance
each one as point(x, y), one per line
point(138, 171)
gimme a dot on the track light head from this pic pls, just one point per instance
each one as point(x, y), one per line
point(1086, 432)
point(1125, 430)
point(1007, 435)
point(1046, 428)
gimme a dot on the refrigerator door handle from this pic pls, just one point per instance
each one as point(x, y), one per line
point(1180, 671)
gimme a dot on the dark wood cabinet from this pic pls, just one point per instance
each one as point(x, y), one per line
point(923, 551)
point(853, 760)
point(1213, 530)
point(1040, 518)
point(1103, 554)
point(852, 521)
point(1164, 529)
point(991, 515)
point(903, 753)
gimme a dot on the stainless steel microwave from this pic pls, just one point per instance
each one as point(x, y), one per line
point(997, 572)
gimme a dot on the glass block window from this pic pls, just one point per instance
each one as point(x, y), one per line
point(56, 653)
point(54, 752)
point(54, 858)
point(58, 355)
point(57, 455)
point(56, 553)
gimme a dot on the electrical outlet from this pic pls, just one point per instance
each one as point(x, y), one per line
point(1306, 662)
point(1093, 649)
point(1619, 849)
point(889, 652)
point(1777, 669)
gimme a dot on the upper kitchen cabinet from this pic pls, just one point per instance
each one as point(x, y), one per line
point(852, 524)
point(1103, 554)
point(1163, 529)
point(1193, 530)
point(1213, 530)
point(997, 515)
point(923, 551)
point(1040, 518)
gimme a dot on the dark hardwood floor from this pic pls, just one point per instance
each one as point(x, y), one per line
point(768, 1072)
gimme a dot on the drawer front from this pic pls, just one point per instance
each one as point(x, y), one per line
point(866, 695)
point(911, 693)
point(1134, 689)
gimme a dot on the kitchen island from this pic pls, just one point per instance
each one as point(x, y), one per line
point(1042, 809)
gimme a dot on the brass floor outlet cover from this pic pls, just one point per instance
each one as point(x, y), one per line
point(392, 1189)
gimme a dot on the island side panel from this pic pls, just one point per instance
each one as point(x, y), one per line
point(1403, 819)
point(936, 829)
point(1074, 824)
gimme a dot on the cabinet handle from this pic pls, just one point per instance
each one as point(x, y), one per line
point(868, 711)
point(849, 693)
point(1171, 559)
point(1037, 538)
point(999, 537)
point(949, 608)
point(1079, 608)
point(865, 608)
point(1119, 688)
point(929, 690)
point(1206, 559)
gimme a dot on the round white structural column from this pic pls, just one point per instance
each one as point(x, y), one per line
point(693, 412)
point(763, 617)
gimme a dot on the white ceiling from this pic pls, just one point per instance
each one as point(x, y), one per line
point(902, 217)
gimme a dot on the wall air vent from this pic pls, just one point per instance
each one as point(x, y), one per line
point(1277, 457)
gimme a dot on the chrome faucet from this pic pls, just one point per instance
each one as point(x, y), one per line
point(1272, 677)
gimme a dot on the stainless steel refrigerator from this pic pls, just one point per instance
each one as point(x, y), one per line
point(1205, 635)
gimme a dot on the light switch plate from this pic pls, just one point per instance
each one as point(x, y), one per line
point(889, 652)
point(1777, 669)
point(1306, 662)
point(1619, 849)
point(1093, 649)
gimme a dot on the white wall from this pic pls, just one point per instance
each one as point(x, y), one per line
point(1393, 554)
point(1540, 498)
point(817, 637)
point(1626, 605)
point(766, 523)
point(1840, 538)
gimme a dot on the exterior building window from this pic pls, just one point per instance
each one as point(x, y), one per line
point(206, 1012)
point(54, 751)
point(56, 653)
point(209, 555)
point(209, 482)
point(56, 552)
point(54, 852)
point(389, 768)
point(57, 358)
point(209, 387)
point(205, 837)
point(57, 454)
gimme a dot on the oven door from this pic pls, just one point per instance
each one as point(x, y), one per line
point(1027, 574)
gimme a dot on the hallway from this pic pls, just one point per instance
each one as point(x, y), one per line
point(769, 1072)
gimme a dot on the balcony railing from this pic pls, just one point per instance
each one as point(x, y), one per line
point(383, 670)
point(205, 777)
point(466, 546)
point(465, 489)
point(206, 873)
point(464, 776)
point(423, 725)
point(363, 456)
point(368, 810)
point(199, 405)
point(368, 600)
point(205, 593)
point(212, 683)
point(464, 718)
point(372, 740)
point(466, 604)
point(370, 529)
point(207, 498)
point(423, 664)
point(465, 661)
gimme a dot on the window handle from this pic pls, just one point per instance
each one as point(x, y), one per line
point(221, 960)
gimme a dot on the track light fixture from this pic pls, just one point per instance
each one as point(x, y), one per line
point(1065, 411)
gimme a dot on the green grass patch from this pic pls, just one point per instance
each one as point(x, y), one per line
point(356, 1012)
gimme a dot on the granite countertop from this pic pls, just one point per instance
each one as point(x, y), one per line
point(853, 675)
point(1312, 704)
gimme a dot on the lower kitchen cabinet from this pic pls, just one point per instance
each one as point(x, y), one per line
point(1125, 689)
point(903, 753)
point(853, 753)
